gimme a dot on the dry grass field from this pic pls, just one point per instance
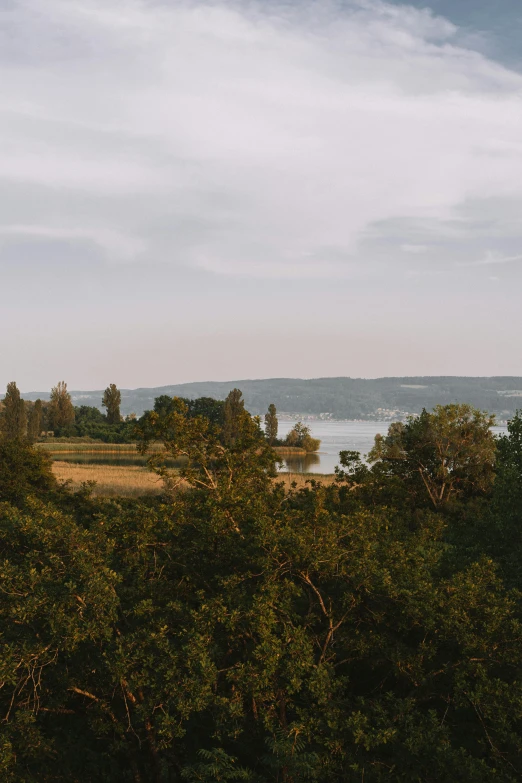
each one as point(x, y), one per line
point(111, 480)
point(134, 481)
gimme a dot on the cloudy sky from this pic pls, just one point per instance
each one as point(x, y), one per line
point(198, 190)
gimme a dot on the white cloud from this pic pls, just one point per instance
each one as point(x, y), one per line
point(251, 139)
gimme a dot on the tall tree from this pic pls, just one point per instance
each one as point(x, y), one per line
point(112, 401)
point(44, 419)
point(271, 424)
point(14, 413)
point(34, 421)
point(38, 406)
point(234, 416)
point(61, 409)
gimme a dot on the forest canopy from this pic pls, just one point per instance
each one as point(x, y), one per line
point(232, 629)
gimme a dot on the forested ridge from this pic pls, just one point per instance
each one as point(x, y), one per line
point(369, 630)
point(342, 398)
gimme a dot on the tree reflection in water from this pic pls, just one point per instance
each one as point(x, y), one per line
point(300, 463)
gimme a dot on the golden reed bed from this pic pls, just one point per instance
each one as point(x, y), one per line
point(111, 480)
point(134, 480)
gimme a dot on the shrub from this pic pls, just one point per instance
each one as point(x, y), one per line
point(24, 471)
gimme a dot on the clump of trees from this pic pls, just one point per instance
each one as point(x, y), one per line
point(300, 437)
point(59, 417)
point(226, 418)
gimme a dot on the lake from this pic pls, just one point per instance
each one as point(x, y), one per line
point(336, 436)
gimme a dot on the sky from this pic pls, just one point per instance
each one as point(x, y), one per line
point(221, 190)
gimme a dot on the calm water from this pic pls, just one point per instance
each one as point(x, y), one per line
point(335, 436)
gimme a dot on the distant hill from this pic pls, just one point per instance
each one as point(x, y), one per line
point(339, 398)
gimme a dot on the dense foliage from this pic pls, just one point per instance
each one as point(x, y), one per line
point(92, 423)
point(232, 630)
